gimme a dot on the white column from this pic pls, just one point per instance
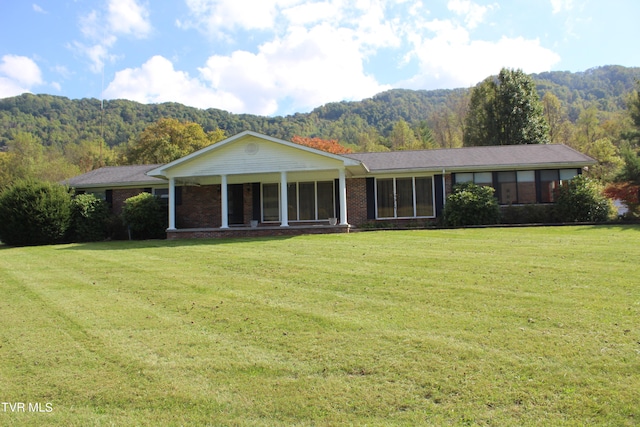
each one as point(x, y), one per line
point(284, 203)
point(342, 193)
point(224, 200)
point(172, 204)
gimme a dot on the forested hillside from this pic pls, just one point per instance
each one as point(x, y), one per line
point(59, 120)
point(587, 110)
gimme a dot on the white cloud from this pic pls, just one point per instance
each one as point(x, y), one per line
point(128, 17)
point(452, 60)
point(306, 67)
point(21, 69)
point(39, 9)
point(215, 17)
point(558, 6)
point(18, 74)
point(473, 13)
point(157, 81)
point(102, 29)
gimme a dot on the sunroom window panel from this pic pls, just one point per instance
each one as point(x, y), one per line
point(404, 195)
point(270, 202)
point(424, 196)
point(307, 195)
point(506, 188)
point(292, 201)
point(384, 190)
point(326, 207)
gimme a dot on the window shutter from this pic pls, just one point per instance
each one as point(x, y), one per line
point(255, 193)
point(440, 196)
point(371, 198)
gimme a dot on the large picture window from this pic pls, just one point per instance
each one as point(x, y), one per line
point(306, 201)
point(408, 197)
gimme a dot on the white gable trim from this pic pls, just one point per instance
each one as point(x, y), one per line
point(163, 171)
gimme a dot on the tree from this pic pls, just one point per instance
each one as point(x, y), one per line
point(506, 111)
point(328, 145)
point(402, 137)
point(554, 115)
point(634, 111)
point(168, 140)
point(480, 123)
point(34, 213)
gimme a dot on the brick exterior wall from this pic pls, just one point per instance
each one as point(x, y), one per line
point(266, 231)
point(200, 207)
point(356, 201)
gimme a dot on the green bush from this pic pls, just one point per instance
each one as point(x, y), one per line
point(529, 214)
point(89, 218)
point(471, 204)
point(145, 216)
point(34, 213)
point(581, 200)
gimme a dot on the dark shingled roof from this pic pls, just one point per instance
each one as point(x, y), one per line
point(470, 158)
point(491, 157)
point(116, 175)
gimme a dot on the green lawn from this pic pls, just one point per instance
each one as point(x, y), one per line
point(500, 327)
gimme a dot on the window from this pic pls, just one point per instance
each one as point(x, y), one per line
point(549, 181)
point(424, 197)
point(479, 178)
point(526, 186)
point(306, 201)
point(506, 188)
point(408, 197)
point(520, 187)
point(326, 196)
point(270, 202)
point(384, 196)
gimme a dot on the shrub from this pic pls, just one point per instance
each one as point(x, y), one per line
point(528, 214)
point(89, 218)
point(471, 204)
point(581, 200)
point(145, 216)
point(628, 193)
point(34, 213)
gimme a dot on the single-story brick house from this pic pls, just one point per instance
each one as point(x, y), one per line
point(252, 184)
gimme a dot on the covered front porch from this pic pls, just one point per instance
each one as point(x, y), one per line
point(254, 185)
point(258, 203)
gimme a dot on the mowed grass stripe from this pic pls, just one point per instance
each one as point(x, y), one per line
point(488, 327)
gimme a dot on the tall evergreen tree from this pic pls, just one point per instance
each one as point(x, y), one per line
point(506, 111)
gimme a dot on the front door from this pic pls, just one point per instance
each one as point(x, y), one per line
point(235, 204)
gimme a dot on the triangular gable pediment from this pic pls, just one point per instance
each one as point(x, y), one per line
point(249, 153)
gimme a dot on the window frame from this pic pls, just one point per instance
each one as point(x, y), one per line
point(395, 197)
point(294, 195)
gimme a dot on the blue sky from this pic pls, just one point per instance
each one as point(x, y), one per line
point(278, 57)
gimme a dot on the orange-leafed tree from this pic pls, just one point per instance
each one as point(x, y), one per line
point(328, 145)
